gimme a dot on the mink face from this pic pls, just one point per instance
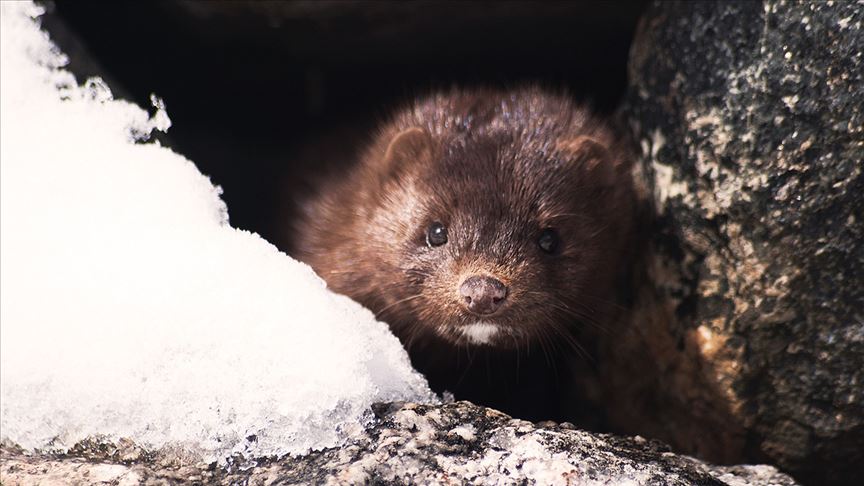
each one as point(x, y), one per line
point(485, 218)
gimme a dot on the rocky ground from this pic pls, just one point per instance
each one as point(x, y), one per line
point(456, 443)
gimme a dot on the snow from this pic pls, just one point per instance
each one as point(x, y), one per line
point(129, 307)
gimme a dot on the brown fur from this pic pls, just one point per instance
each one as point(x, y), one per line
point(496, 168)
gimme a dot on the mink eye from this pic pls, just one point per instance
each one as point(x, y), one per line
point(436, 234)
point(548, 240)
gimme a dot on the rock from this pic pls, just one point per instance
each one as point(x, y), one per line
point(456, 443)
point(750, 116)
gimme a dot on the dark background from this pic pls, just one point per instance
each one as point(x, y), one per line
point(264, 95)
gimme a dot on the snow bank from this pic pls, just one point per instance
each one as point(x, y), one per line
point(131, 308)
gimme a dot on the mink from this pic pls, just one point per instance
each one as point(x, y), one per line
point(489, 229)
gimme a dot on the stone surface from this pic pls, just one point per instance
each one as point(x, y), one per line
point(457, 443)
point(750, 116)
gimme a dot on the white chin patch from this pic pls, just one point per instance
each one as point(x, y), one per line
point(480, 332)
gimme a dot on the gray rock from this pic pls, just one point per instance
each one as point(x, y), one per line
point(457, 443)
point(751, 120)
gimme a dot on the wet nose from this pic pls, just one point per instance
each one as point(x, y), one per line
point(483, 295)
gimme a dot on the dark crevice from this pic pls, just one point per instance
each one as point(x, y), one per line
point(263, 94)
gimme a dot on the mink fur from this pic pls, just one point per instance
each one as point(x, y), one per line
point(496, 169)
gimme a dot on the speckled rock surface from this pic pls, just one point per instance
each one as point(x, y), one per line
point(457, 443)
point(750, 116)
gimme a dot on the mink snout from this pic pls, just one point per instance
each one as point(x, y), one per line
point(483, 295)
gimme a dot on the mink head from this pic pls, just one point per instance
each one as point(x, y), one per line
point(484, 220)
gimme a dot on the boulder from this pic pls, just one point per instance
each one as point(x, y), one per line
point(750, 116)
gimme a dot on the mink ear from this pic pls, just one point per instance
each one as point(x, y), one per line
point(593, 155)
point(410, 144)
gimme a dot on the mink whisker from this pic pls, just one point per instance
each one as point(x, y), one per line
point(406, 299)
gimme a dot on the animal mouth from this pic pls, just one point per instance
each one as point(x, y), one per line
point(480, 332)
point(484, 332)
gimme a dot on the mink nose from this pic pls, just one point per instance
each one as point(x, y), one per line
point(483, 295)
